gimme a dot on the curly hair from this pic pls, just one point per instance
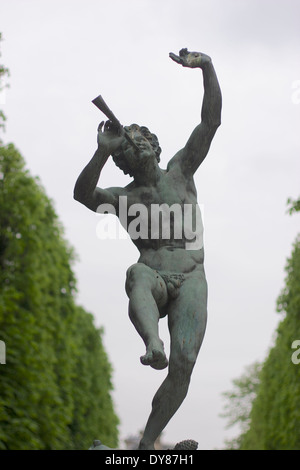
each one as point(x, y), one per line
point(118, 156)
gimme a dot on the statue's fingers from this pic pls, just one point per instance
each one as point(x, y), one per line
point(100, 126)
point(107, 125)
point(176, 58)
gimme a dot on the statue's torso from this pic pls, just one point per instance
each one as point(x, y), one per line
point(161, 239)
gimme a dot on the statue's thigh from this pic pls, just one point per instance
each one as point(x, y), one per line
point(187, 317)
point(141, 276)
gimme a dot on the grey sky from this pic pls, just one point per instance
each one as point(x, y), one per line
point(61, 55)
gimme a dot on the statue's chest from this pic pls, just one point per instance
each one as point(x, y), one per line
point(162, 194)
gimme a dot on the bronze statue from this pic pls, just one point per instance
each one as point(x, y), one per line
point(169, 278)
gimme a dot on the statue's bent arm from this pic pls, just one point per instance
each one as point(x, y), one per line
point(86, 190)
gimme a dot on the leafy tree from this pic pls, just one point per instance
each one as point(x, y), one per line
point(55, 386)
point(294, 205)
point(239, 401)
point(4, 72)
point(274, 420)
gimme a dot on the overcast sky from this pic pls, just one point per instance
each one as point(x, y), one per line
point(61, 55)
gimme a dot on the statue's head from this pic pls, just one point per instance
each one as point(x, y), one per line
point(127, 158)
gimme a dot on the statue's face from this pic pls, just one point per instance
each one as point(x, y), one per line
point(131, 160)
point(134, 158)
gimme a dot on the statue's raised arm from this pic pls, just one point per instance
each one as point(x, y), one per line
point(192, 155)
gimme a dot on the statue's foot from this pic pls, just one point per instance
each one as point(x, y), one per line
point(155, 357)
point(187, 445)
point(97, 445)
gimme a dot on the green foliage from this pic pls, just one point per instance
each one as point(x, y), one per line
point(239, 403)
point(4, 72)
point(294, 205)
point(274, 420)
point(275, 416)
point(56, 383)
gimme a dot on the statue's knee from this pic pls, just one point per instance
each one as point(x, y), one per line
point(133, 273)
point(182, 366)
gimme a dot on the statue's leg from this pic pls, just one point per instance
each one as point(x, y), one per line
point(187, 322)
point(147, 293)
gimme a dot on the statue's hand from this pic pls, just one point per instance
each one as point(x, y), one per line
point(190, 59)
point(110, 138)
